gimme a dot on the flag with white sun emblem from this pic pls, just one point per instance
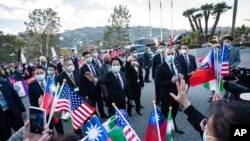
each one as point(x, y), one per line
point(48, 95)
point(95, 131)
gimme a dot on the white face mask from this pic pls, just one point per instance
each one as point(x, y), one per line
point(70, 68)
point(184, 51)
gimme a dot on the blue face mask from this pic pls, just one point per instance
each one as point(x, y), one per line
point(170, 58)
point(204, 137)
point(40, 77)
point(51, 73)
point(89, 60)
point(116, 69)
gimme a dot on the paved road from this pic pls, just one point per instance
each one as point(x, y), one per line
point(197, 95)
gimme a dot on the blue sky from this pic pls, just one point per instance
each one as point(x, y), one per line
point(80, 13)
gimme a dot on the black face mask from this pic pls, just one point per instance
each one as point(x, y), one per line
point(107, 62)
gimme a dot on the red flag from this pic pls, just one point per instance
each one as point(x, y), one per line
point(206, 71)
point(151, 132)
point(48, 95)
point(171, 41)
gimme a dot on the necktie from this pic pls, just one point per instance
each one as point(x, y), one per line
point(117, 77)
point(93, 70)
point(42, 85)
point(187, 63)
point(172, 68)
point(72, 77)
point(161, 58)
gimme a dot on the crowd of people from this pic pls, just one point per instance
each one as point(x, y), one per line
point(102, 80)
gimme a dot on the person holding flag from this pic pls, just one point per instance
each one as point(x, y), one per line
point(41, 93)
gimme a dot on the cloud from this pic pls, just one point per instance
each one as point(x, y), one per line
point(76, 14)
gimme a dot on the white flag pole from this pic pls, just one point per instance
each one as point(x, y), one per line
point(126, 121)
point(161, 21)
point(56, 97)
point(150, 30)
point(157, 124)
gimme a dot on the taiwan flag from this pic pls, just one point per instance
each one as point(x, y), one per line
point(157, 126)
point(48, 95)
point(95, 131)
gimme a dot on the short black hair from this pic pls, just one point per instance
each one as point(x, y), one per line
point(52, 66)
point(39, 67)
point(229, 37)
point(235, 112)
point(162, 44)
point(113, 59)
point(85, 53)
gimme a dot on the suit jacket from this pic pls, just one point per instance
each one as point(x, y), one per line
point(35, 91)
point(156, 61)
point(195, 118)
point(59, 67)
point(163, 78)
point(192, 65)
point(77, 84)
point(146, 60)
point(234, 56)
point(75, 62)
point(132, 78)
point(11, 97)
point(91, 88)
point(115, 93)
point(93, 62)
point(102, 71)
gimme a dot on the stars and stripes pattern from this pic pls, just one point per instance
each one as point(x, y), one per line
point(78, 108)
point(223, 61)
point(129, 133)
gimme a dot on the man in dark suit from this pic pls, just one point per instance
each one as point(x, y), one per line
point(72, 77)
point(188, 63)
point(166, 76)
point(147, 64)
point(36, 91)
point(157, 60)
point(96, 60)
point(93, 90)
point(116, 84)
point(102, 71)
point(12, 110)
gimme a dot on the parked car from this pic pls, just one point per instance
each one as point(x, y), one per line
point(140, 49)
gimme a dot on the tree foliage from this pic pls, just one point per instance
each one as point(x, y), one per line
point(42, 24)
point(195, 15)
point(117, 34)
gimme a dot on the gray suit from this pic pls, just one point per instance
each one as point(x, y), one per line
point(102, 71)
point(234, 56)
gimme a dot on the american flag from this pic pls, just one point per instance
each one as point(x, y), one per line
point(128, 131)
point(223, 61)
point(78, 108)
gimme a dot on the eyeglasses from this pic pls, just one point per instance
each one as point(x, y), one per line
point(170, 54)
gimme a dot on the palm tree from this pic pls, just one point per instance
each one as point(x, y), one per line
point(234, 15)
point(200, 31)
point(218, 9)
point(188, 13)
point(207, 8)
